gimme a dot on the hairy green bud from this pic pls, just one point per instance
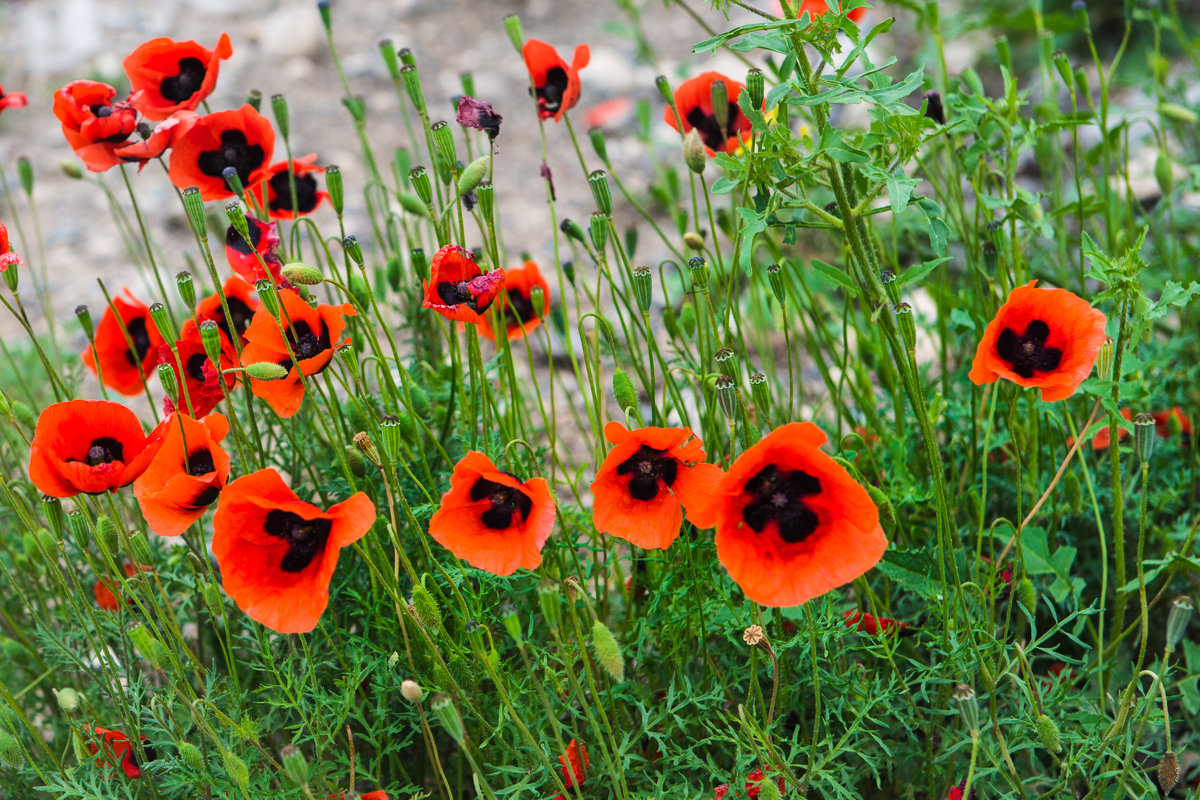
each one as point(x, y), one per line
point(1048, 735)
point(608, 652)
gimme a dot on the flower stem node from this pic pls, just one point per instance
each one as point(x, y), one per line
point(411, 691)
point(443, 708)
point(608, 652)
point(295, 765)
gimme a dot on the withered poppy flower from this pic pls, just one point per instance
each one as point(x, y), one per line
point(94, 123)
point(107, 594)
point(791, 523)
point(240, 138)
point(244, 257)
point(239, 295)
point(186, 475)
point(457, 289)
point(8, 257)
point(1167, 423)
point(115, 752)
point(312, 333)
point(121, 367)
point(493, 520)
point(574, 766)
point(516, 302)
point(277, 553)
point(157, 142)
point(647, 481)
point(12, 99)
point(87, 446)
point(693, 102)
point(873, 625)
point(555, 83)
point(1046, 338)
point(169, 76)
point(202, 384)
point(275, 192)
point(479, 115)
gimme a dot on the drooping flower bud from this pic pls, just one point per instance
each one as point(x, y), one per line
point(411, 691)
point(1178, 619)
point(295, 765)
point(693, 152)
point(1047, 731)
point(623, 391)
point(445, 712)
point(608, 652)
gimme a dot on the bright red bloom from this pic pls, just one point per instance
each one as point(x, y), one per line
point(107, 595)
point(8, 257)
point(312, 336)
point(819, 8)
point(186, 475)
point(1104, 435)
point(248, 261)
point(555, 83)
point(12, 99)
point(378, 794)
point(694, 104)
point(956, 792)
point(1047, 338)
point(791, 522)
point(516, 302)
point(169, 76)
point(241, 138)
point(115, 752)
point(140, 152)
point(457, 288)
point(278, 553)
point(275, 192)
point(94, 122)
point(201, 383)
point(493, 520)
point(574, 766)
point(754, 783)
point(90, 446)
point(111, 358)
point(648, 480)
point(872, 625)
point(1166, 423)
point(239, 296)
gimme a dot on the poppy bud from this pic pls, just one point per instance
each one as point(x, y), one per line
point(360, 290)
point(693, 241)
point(213, 599)
point(1143, 438)
point(623, 391)
point(1027, 594)
point(295, 765)
point(11, 752)
point(25, 173)
point(568, 268)
point(443, 140)
point(485, 196)
point(1063, 65)
point(353, 249)
point(303, 274)
point(413, 204)
point(643, 287)
point(598, 230)
point(279, 108)
point(1178, 113)
point(190, 754)
point(412, 86)
point(47, 543)
point(1178, 619)
point(664, 89)
point(904, 319)
point(443, 708)
point(572, 229)
point(537, 299)
point(139, 548)
point(70, 169)
point(54, 515)
point(1083, 86)
point(85, 320)
point(1168, 772)
point(68, 699)
point(420, 402)
point(268, 295)
point(608, 652)
point(265, 371)
point(1047, 732)
point(968, 706)
point(768, 790)
point(363, 442)
point(598, 181)
point(166, 375)
point(598, 144)
point(1164, 174)
point(148, 645)
point(472, 175)
point(693, 152)
point(511, 622)
point(235, 767)
point(106, 533)
point(335, 189)
point(421, 184)
point(411, 691)
point(426, 607)
point(549, 600)
point(516, 35)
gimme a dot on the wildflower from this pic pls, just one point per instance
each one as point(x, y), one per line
point(1046, 338)
point(123, 368)
point(647, 482)
point(479, 115)
point(457, 288)
point(555, 83)
point(115, 751)
point(872, 625)
point(277, 553)
point(1166, 423)
point(694, 104)
point(186, 475)
point(275, 192)
point(202, 384)
point(242, 305)
point(1104, 435)
point(574, 765)
point(157, 142)
point(516, 302)
point(754, 783)
point(493, 520)
point(12, 99)
point(94, 123)
point(312, 336)
point(168, 76)
point(956, 792)
point(90, 446)
point(819, 8)
point(240, 138)
point(258, 258)
point(107, 598)
point(791, 524)
point(8, 257)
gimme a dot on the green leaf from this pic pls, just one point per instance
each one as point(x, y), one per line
point(914, 274)
point(912, 569)
point(939, 231)
point(900, 188)
point(1173, 296)
point(835, 274)
point(1040, 560)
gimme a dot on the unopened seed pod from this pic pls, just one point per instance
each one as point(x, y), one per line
point(598, 181)
point(335, 188)
point(166, 376)
point(419, 177)
point(608, 652)
point(268, 295)
point(443, 140)
point(445, 712)
point(106, 535)
point(516, 35)
point(193, 204)
point(295, 765)
point(1178, 619)
point(162, 322)
point(598, 230)
point(643, 288)
point(279, 107)
point(426, 607)
point(1048, 735)
point(190, 754)
point(302, 274)
point(187, 289)
point(623, 391)
point(755, 86)
point(10, 750)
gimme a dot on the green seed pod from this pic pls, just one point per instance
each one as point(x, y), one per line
point(236, 768)
point(106, 535)
point(568, 268)
point(572, 230)
point(485, 196)
point(888, 279)
point(1074, 492)
point(148, 645)
point(268, 295)
point(265, 371)
point(5, 406)
point(14, 651)
point(1178, 619)
point(279, 108)
point(1144, 437)
point(413, 204)
point(443, 140)
point(623, 390)
point(426, 607)
point(1027, 594)
point(596, 135)
point(10, 750)
point(687, 319)
point(47, 543)
point(194, 206)
point(187, 289)
point(511, 621)
point(52, 507)
point(139, 548)
point(726, 391)
point(361, 290)
point(1178, 113)
point(693, 152)
point(388, 50)
point(887, 514)
point(356, 106)
point(1047, 732)
point(303, 274)
point(725, 362)
point(516, 35)
point(29, 544)
point(392, 435)
point(1004, 53)
point(598, 181)
point(1164, 173)
point(78, 525)
point(419, 178)
point(213, 600)
point(551, 602)
point(643, 288)
point(598, 230)
point(664, 89)
point(762, 396)
point(755, 86)
point(166, 376)
point(68, 699)
point(1083, 84)
point(353, 249)
point(210, 337)
point(162, 322)
point(1104, 360)
point(254, 99)
point(445, 712)
point(699, 270)
point(671, 322)
point(25, 173)
point(775, 278)
point(719, 94)
point(335, 188)
point(190, 754)
point(1063, 65)
point(608, 652)
point(904, 320)
point(71, 169)
point(295, 765)
point(472, 174)
point(412, 87)
point(394, 273)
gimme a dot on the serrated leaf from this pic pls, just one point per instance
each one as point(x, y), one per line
point(912, 569)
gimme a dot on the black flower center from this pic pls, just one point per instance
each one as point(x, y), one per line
point(235, 151)
point(305, 343)
point(104, 450)
point(711, 133)
point(505, 501)
point(649, 467)
point(139, 334)
point(200, 462)
point(194, 366)
point(101, 110)
point(306, 538)
point(550, 93)
point(453, 294)
point(306, 192)
point(1027, 353)
point(234, 239)
point(519, 309)
point(181, 87)
point(779, 495)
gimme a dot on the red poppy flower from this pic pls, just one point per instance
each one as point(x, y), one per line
point(693, 102)
point(1047, 338)
point(378, 794)
point(555, 83)
point(241, 138)
point(574, 766)
point(239, 295)
point(312, 333)
point(275, 192)
point(872, 625)
point(493, 520)
point(12, 99)
point(186, 475)
point(157, 142)
point(647, 481)
point(956, 792)
point(754, 783)
point(94, 123)
point(87, 446)
point(457, 289)
point(202, 384)
point(245, 256)
point(122, 368)
point(516, 302)
point(169, 76)
point(1104, 435)
point(277, 553)
point(115, 752)
point(1168, 422)
point(106, 592)
point(791, 523)
point(819, 8)
point(8, 258)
